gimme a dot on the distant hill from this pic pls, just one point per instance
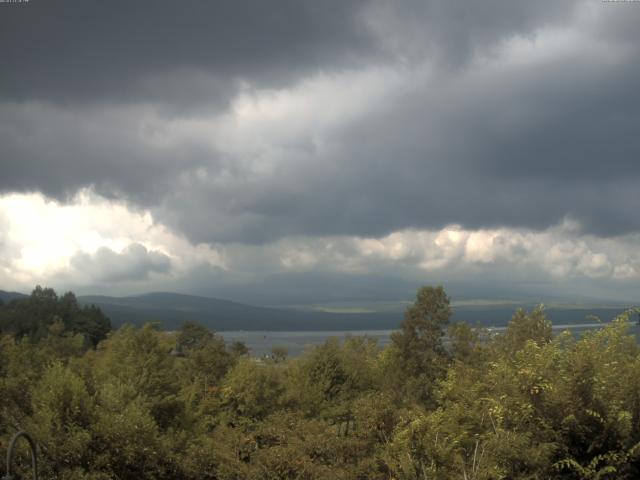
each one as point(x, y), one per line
point(500, 315)
point(6, 297)
point(172, 309)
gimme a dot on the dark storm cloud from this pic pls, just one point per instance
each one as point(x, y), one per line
point(528, 148)
point(135, 262)
point(169, 51)
point(525, 142)
point(453, 32)
point(196, 51)
point(58, 152)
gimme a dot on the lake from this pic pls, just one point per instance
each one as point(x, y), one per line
point(261, 342)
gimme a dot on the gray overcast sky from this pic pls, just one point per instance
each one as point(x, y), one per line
point(205, 146)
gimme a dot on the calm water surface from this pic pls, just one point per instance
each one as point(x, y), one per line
point(261, 342)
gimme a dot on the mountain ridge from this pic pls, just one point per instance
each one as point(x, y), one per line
point(171, 309)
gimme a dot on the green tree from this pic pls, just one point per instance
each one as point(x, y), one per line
point(534, 326)
point(279, 354)
point(193, 335)
point(239, 349)
point(418, 346)
point(252, 390)
point(33, 316)
point(62, 420)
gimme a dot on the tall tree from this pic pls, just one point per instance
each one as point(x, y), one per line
point(193, 335)
point(523, 327)
point(418, 346)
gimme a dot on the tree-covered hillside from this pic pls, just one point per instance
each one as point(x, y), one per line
point(147, 404)
point(43, 312)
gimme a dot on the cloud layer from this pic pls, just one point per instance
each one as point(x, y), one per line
point(256, 136)
point(173, 52)
point(93, 244)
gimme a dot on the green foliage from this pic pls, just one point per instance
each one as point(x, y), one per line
point(34, 316)
point(518, 405)
point(63, 409)
point(252, 390)
point(279, 354)
point(193, 336)
point(418, 347)
point(239, 349)
point(525, 327)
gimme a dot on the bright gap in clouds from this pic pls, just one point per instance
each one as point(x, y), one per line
point(44, 241)
point(94, 244)
point(46, 234)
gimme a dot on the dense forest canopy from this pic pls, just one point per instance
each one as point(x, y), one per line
point(143, 403)
point(43, 312)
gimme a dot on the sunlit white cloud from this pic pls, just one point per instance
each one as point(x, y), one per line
point(47, 241)
point(95, 243)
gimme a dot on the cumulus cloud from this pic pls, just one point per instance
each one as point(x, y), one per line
point(95, 244)
point(135, 262)
point(90, 242)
